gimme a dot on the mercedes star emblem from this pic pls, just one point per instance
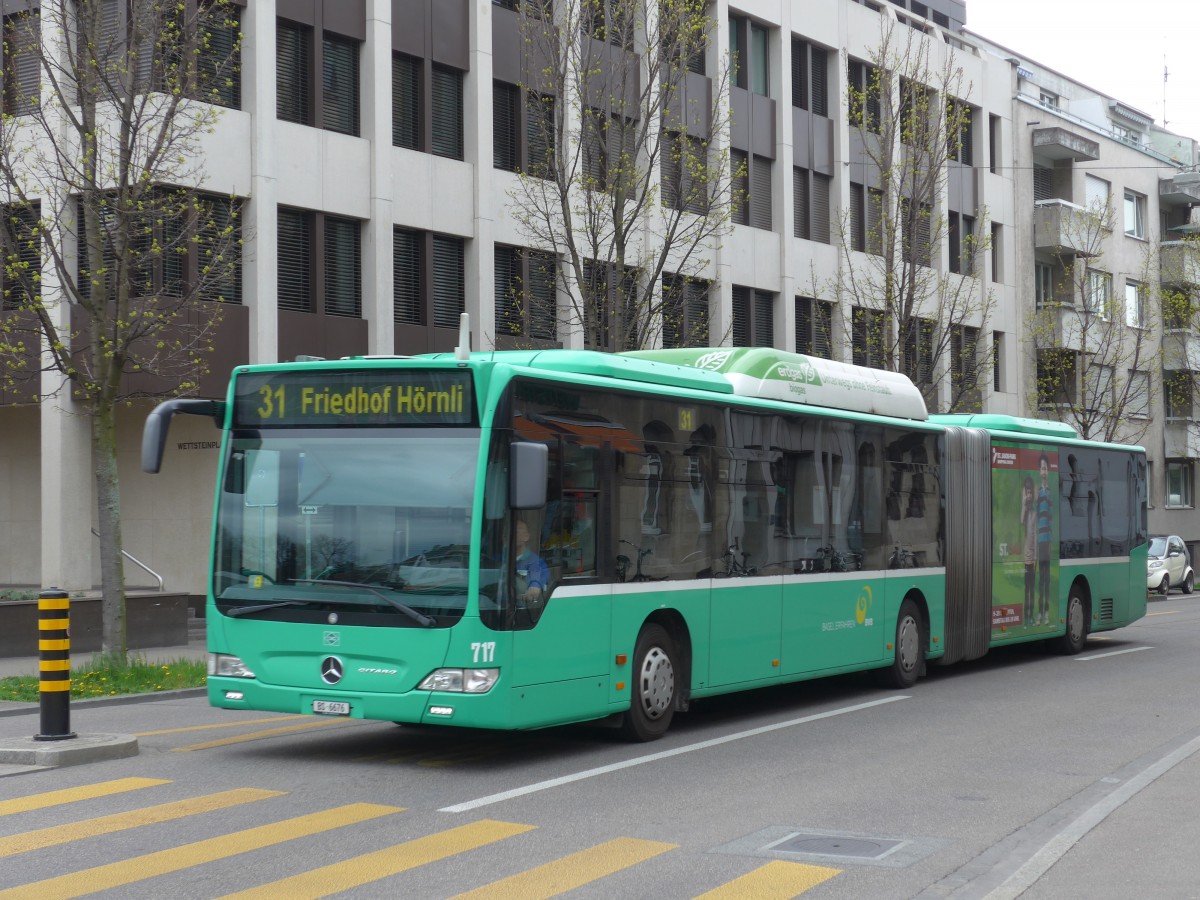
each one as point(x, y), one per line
point(331, 670)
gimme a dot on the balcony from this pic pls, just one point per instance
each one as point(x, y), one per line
point(1064, 229)
point(1059, 143)
point(1060, 325)
point(1182, 189)
point(1181, 350)
point(1179, 262)
point(1182, 438)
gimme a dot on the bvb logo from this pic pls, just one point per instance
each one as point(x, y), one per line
point(865, 599)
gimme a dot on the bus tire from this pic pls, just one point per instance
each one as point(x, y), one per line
point(653, 688)
point(1075, 637)
point(906, 667)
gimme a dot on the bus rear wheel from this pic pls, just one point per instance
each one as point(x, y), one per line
point(906, 667)
point(653, 689)
point(1075, 637)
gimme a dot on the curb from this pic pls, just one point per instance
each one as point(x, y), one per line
point(26, 709)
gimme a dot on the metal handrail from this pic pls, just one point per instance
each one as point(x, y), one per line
point(137, 562)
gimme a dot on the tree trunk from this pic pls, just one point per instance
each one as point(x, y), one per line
point(108, 507)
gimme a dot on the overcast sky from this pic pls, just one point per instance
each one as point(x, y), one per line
point(1116, 48)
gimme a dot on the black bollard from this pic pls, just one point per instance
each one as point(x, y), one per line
point(54, 656)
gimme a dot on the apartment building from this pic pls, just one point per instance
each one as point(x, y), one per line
point(377, 144)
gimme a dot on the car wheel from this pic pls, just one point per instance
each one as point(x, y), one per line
point(1165, 587)
point(1189, 582)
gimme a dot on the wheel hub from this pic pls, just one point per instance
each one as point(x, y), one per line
point(657, 683)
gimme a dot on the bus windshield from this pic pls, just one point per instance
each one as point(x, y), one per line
point(371, 524)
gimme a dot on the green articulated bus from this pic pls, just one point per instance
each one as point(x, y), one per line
point(521, 539)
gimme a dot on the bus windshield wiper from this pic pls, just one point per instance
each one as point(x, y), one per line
point(419, 618)
point(261, 607)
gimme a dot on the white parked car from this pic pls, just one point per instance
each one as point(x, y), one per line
point(1169, 565)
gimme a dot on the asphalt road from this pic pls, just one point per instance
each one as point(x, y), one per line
point(1023, 774)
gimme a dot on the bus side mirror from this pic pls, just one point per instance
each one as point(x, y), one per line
point(529, 465)
point(154, 434)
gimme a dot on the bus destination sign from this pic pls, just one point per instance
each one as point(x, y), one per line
point(330, 398)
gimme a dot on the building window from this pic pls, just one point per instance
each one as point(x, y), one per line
point(523, 135)
point(1098, 388)
point(814, 327)
point(868, 337)
point(684, 173)
point(993, 143)
point(20, 254)
point(810, 77)
point(428, 278)
point(915, 226)
point(1135, 304)
point(760, 192)
point(526, 289)
point(964, 368)
point(1178, 387)
point(1056, 382)
point(810, 205)
point(961, 143)
point(863, 96)
point(184, 244)
point(446, 101)
point(919, 356)
point(299, 94)
point(685, 311)
point(1043, 183)
point(1048, 100)
point(1139, 395)
point(997, 361)
point(753, 317)
point(997, 249)
point(293, 65)
point(337, 257)
point(1179, 483)
point(406, 101)
point(22, 65)
point(759, 63)
point(339, 66)
point(1096, 194)
point(609, 146)
point(961, 234)
point(1135, 215)
point(1043, 284)
point(1098, 298)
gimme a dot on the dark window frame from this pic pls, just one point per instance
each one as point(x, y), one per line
point(308, 102)
point(305, 264)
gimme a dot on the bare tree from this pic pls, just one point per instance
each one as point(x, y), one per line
point(108, 244)
point(911, 134)
point(1094, 348)
point(624, 183)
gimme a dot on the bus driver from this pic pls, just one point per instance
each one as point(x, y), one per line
point(533, 576)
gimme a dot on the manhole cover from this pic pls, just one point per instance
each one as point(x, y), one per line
point(835, 845)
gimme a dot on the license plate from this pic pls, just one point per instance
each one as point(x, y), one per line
point(331, 708)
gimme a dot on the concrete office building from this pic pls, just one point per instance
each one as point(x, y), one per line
point(376, 214)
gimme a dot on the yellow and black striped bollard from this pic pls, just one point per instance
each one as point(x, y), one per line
point(54, 657)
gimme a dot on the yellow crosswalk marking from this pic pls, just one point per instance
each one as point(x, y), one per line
point(371, 867)
point(151, 815)
point(129, 871)
point(258, 735)
point(572, 871)
point(73, 795)
point(211, 726)
point(775, 881)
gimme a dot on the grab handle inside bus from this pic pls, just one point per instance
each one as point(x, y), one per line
point(154, 433)
point(528, 467)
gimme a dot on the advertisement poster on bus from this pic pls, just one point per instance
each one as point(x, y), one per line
point(1025, 535)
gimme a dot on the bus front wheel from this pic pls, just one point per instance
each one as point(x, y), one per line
point(905, 668)
point(653, 689)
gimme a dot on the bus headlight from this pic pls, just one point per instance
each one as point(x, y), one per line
point(460, 681)
point(227, 666)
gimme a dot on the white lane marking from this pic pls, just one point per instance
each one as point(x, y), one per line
point(665, 754)
point(1110, 653)
point(1055, 848)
